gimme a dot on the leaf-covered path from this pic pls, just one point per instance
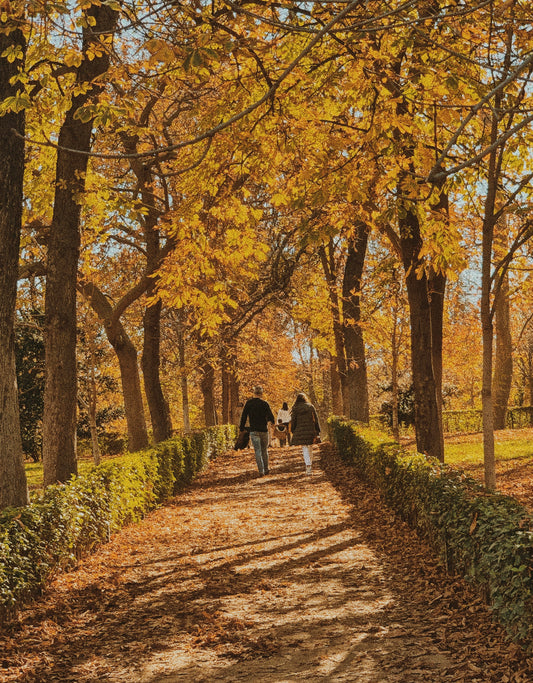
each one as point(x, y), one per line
point(281, 578)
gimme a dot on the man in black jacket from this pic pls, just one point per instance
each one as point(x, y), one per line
point(259, 414)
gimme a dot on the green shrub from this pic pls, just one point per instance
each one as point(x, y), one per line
point(486, 537)
point(67, 521)
point(517, 417)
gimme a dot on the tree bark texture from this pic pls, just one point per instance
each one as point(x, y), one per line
point(230, 386)
point(336, 388)
point(92, 405)
point(207, 385)
point(503, 362)
point(59, 420)
point(487, 330)
point(151, 356)
point(428, 426)
point(437, 287)
point(13, 486)
point(131, 390)
point(127, 359)
point(151, 361)
point(356, 374)
point(328, 265)
point(183, 376)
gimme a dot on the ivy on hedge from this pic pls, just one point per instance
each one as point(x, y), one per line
point(487, 537)
point(67, 521)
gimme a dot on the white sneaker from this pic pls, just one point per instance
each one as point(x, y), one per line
point(308, 469)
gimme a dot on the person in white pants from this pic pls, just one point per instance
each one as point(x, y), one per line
point(305, 428)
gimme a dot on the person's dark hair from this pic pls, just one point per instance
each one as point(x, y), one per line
point(301, 398)
point(285, 406)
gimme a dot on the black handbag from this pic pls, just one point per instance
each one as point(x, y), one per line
point(242, 440)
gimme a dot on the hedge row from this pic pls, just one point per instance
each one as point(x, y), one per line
point(518, 417)
point(67, 521)
point(453, 421)
point(486, 537)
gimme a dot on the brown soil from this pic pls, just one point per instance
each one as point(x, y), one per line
point(276, 579)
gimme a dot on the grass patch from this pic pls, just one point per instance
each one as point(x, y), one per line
point(471, 452)
point(34, 472)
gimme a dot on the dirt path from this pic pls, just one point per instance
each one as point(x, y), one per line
point(281, 578)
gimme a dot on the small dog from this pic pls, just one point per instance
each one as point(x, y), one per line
point(281, 433)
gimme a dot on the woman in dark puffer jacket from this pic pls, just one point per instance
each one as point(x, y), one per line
point(305, 427)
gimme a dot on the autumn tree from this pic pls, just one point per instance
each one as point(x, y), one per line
point(13, 486)
point(74, 141)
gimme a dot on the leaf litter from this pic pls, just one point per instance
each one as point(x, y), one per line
point(279, 578)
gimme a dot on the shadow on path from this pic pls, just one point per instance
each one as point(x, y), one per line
point(280, 578)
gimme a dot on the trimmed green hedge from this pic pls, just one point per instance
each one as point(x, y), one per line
point(518, 417)
point(67, 521)
point(486, 537)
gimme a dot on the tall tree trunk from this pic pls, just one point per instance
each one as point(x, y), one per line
point(151, 359)
point(127, 359)
point(356, 375)
point(225, 379)
point(183, 378)
point(131, 389)
point(437, 290)
point(311, 390)
point(207, 384)
point(428, 422)
point(230, 385)
point(328, 265)
point(91, 410)
point(151, 356)
point(428, 426)
point(59, 419)
point(486, 313)
point(394, 380)
point(336, 388)
point(437, 287)
point(530, 369)
point(13, 485)
point(503, 366)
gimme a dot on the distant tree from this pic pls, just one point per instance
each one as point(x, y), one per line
point(29, 358)
point(406, 407)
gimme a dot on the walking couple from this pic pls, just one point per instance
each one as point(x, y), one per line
point(305, 428)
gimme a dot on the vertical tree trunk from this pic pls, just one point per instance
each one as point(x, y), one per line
point(503, 366)
point(311, 390)
point(91, 409)
point(428, 425)
point(230, 385)
point(183, 380)
point(437, 287)
point(394, 379)
point(225, 379)
point(151, 356)
point(336, 388)
point(13, 486)
point(486, 312)
point(235, 399)
point(131, 389)
point(151, 359)
point(207, 384)
point(127, 359)
point(59, 420)
point(530, 369)
point(356, 375)
point(328, 266)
